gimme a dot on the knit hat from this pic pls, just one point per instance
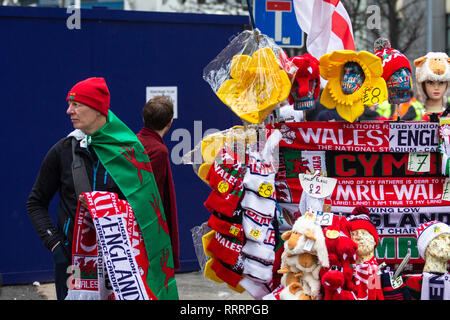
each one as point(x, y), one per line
point(210, 273)
point(224, 248)
point(393, 59)
point(231, 227)
point(231, 274)
point(265, 250)
point(258, 270)
point(396, 71)
point(92, 92)
point(261, 205)
point(359, 219)
point(306, 86)
point(426, 232)
point(224, 205)
point(256, 289)
point(255, 226)
point(226, 172)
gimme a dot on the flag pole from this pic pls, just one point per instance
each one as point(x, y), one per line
point(250, 11)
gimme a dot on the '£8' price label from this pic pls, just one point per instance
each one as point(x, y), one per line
point(265, 189)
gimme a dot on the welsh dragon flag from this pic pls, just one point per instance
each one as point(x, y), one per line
point(125, 159)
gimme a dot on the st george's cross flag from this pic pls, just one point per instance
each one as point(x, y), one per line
point(327, 24)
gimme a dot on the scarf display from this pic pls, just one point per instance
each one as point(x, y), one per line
point(374, 136)
point(435, 286)
point(392, 173)
point(124, 157)
point(109, 260)
point(444, 147)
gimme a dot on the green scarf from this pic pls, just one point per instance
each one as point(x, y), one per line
point(125, 159)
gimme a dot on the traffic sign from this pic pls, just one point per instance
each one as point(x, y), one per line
point(277, 20)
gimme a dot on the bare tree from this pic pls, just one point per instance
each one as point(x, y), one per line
point(401, 21)
point(405, 22)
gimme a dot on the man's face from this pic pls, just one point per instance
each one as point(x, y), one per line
point(83, 117)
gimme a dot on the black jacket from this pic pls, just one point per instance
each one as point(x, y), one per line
point(55, 175)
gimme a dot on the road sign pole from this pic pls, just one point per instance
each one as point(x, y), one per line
point(278, 25)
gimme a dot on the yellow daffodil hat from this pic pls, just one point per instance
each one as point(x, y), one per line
point(350, 106)
point(256, 85)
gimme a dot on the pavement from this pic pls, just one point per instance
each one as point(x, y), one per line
point(191, 286)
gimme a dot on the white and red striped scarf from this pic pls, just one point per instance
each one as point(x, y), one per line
point(109, 259)
point(368, 284)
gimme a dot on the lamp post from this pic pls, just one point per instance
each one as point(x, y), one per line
point(429, 25)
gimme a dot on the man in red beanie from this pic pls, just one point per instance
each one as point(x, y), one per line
point(88, 108)
point(102, 154)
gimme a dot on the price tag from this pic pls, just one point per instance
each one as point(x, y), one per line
point(223, 186)
point(255, 233)
point(234, 231)
point(324, 218)
point(317, 186)
point(396, 283)
point(265, 189)
point(446, 190)
point(308, 245)
point(419, 162)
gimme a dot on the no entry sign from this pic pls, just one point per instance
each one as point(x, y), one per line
point(277, 20)
point(283, 6)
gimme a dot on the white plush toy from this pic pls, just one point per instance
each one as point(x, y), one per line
point(306, 236)
point(294, 292)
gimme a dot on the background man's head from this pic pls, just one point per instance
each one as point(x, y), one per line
point(158, 113)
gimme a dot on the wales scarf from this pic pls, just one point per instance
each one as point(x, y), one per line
point(125, 159)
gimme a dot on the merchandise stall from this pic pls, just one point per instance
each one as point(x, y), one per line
point(322, 210)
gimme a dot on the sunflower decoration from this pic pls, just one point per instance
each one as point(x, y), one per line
point(257, 84)
point(354, 80)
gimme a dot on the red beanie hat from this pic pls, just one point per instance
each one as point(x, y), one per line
point(360, 220)
point(392, 59)
point(92, 92)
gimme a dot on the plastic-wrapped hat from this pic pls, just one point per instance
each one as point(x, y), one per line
point(306, 86)
point(434, 67)
point(396, 71)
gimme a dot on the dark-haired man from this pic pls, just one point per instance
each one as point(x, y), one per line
point(157, 115)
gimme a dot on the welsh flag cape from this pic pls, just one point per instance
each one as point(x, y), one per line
point(125, 159)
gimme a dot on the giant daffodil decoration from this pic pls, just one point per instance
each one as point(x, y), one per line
point(337, 94)
point(257, 85)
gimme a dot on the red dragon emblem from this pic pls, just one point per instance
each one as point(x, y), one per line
point(130, 156)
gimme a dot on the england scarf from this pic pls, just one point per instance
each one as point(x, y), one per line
point(109, 260)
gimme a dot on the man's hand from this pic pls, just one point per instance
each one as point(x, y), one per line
point(82, 200)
